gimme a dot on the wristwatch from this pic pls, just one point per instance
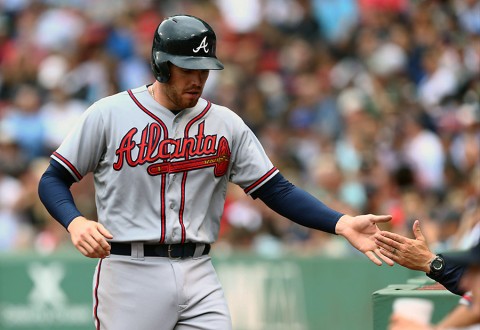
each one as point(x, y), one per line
point(437, 265)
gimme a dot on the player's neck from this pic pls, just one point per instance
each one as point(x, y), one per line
point(151, 90)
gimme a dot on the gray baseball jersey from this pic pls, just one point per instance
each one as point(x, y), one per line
point(161, 177)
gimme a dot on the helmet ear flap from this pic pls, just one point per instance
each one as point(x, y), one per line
point(160, 69)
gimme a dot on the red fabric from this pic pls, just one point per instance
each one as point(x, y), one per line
point(436, 286)
point(382, 5)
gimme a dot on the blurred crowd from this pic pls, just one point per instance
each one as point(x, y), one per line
point(373, 106)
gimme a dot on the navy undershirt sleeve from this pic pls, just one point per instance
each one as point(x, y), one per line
point(54, 192)
point(297, 205)
point(450, 277)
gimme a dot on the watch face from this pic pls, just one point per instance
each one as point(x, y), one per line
point(437, 264)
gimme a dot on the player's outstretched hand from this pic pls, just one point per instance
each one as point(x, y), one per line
point(89, 237)
point(360, 231)
point(410, 253)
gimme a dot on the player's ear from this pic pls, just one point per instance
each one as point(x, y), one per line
point(160, 69)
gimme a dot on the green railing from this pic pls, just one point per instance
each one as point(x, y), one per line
point(288, 293)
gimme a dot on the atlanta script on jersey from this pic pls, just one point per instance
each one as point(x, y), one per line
point(149, 163)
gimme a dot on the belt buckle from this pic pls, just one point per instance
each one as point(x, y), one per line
point(169, 251)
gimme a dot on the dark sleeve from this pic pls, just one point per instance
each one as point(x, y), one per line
point(450, 278)
point(54, 192)
point(297, 205)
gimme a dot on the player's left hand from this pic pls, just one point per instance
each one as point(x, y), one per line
point(360, 230)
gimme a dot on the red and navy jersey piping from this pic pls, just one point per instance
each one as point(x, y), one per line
point(260, 181)
point(95, 309)
point(69, 165)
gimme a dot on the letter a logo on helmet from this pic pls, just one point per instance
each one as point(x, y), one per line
point(203, 45)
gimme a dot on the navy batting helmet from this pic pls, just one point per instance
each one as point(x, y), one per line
point(185, 41)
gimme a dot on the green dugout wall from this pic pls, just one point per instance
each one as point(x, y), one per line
point(422, 288)
point(289, 293)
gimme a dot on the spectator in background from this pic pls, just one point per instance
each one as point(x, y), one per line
point(438, 82)
point(23, 122)
point(11, 223)
point(468, 13)
point(58, 29)
point(60, 110)
point(446, 220)
point(127, 43)
point(13, 161)
point(465, 146)
point(337, 19)
point(59, 114)
point(424, 153)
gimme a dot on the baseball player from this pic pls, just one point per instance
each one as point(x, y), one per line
point(161, 157)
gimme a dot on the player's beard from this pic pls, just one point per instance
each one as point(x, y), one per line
point(178, 99)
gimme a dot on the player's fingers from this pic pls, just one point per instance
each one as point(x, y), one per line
point(97, 247)
point(89, 251)
point(373, 258)
point(104, 231)
point(390, 235)
point(387, 243)
point(380, 218)
point(391, 255)
point(100, 239)
point(103, 247)
point(384, 246)
point(388, 253)
point(386, 259)
point(417, 231)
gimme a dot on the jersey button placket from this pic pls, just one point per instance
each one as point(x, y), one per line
point(175, 136)
point(173, 188)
